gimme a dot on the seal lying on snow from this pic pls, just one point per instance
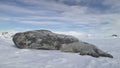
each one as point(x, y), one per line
point(47, 40)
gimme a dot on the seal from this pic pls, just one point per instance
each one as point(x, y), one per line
point(47, 40)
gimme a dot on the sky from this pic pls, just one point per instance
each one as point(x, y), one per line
point(80, 16)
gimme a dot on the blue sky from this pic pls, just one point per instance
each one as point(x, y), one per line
point(87, 16)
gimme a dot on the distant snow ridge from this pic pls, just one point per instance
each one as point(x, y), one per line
point(82, 35)
point(6, 35)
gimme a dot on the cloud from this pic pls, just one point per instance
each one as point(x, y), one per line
point(114, 5)
point(92, 16)
point(13, 10)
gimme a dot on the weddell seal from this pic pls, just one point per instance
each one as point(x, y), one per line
point(47, 40)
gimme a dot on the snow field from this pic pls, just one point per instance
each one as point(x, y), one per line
point(11, 57)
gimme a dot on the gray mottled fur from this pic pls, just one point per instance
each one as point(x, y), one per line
point(84, 49)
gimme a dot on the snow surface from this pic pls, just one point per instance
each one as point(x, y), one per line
point(11, 57)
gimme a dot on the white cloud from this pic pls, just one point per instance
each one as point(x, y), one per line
point(115, 5)
point(61, 14)
point(41, 22)
point(14, 9)
point(75, 11)
point(50, 5)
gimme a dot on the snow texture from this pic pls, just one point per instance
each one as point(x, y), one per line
point(12, 57)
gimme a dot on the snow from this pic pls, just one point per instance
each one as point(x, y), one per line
point(11, 57)
point(7, 35)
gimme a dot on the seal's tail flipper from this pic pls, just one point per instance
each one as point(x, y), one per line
point(103, 54)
